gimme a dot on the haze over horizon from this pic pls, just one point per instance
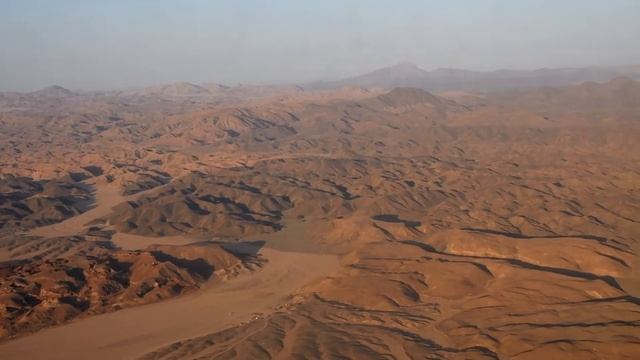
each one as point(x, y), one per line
point(353, 180)
point(94, 46)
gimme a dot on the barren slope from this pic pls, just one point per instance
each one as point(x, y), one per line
point(396, 225)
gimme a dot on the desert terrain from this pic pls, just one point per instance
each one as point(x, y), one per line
point(351, 220)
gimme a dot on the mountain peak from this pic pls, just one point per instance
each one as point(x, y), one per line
point(174, 89)
point(405, 65)
point(404, 70)
point(53, 91)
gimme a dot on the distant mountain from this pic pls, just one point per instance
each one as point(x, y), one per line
point(174, 89)
point(410, 75)
point(403, 74)
point(208, 90)
point(54, 91)
point(619, 97)
point(50, 94)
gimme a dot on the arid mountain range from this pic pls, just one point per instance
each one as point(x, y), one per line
point(409, 75)
point(402, 214)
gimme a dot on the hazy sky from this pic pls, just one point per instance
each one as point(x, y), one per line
point(108, 44)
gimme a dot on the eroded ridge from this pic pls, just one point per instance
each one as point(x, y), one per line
point(354, 223)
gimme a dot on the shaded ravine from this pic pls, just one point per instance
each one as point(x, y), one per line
point(609, 280)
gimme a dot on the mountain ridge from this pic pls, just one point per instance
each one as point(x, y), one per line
point(407, 74)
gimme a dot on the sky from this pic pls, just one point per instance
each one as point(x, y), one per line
point(116, 44)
